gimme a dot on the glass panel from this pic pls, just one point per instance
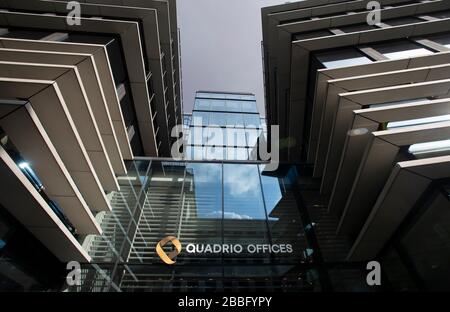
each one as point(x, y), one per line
point(443, 14)
point(188, 154)
point(252, 136)
point(237, 153)
point(202, 104)
point(234, 106)
point(401, 49)
point(342, 58)
point(218, 119)
point(252, 121)
point(198, 153)
point(215, 136)
point(198, 135)
point(202, 209)
point(218, 105)
point(427, 245)
point(235, 120)
point(443, 39)
point(403, 21)
point(249, 107)
point(215, 153)
point(235, 137)
point(244, 213)
point(210, 95)
point(284, 216)
point(200, 118)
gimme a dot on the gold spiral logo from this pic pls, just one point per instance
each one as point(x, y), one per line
point(167, 258)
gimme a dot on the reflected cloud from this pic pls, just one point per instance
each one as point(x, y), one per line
point(228, 215)
point(241, 180)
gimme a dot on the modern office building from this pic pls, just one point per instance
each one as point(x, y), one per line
point(86, 113)
point(79, 96)
point(366, 106)
point(223, 126)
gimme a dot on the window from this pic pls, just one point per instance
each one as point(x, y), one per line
point(443, 14)
point(403, 21)
point(215, 136)
point(235, 120)
point(249, 107)
point(205, 182)
point(252, 136)
point(218, 119)
point(401, 49)
point(443, 39)
point(215, 152)
point(242, 193)
point(218, 105)
point(356, 28)
point(252, 121)
point(342, 58)
point(235, 137)
point(234, 106)
point(237, 153)
point(202, 104)
point(198, 135)
point(313, 34)
point(200, 118)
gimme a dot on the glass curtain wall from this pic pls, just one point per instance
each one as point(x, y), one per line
point(214, 204)
point(224, 126)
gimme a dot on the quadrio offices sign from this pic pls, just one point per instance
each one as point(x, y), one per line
point(238, 248)
point(203, 249)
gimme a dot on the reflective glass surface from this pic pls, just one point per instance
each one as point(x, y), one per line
point(443, 39)
point(342, 58)
point(236, 115)
point(401, 49)
point(250, 222)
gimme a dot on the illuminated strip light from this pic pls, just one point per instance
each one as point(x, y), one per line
point(419, 121)
point(430, 147)
point(157, 179)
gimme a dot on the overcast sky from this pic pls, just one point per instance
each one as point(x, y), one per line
point(221, 47)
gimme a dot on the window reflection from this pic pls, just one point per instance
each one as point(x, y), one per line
point(202, 104)
point(204, 184)
point(427, 245)
point(342, 58)
point(401, 49)
point(252, 121)
point(235, 137)
point(249, 107)
point(237, 153)
point(200, 118)
point(235, 120)
point(443, 39)
point(234, 106)
point(218, 105)
point(217, 119)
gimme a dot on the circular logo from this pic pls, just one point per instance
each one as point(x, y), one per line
point(167, 258)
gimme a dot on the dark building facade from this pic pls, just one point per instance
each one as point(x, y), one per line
point(361, 96)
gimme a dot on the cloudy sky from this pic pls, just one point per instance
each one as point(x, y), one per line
point(221, 47)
